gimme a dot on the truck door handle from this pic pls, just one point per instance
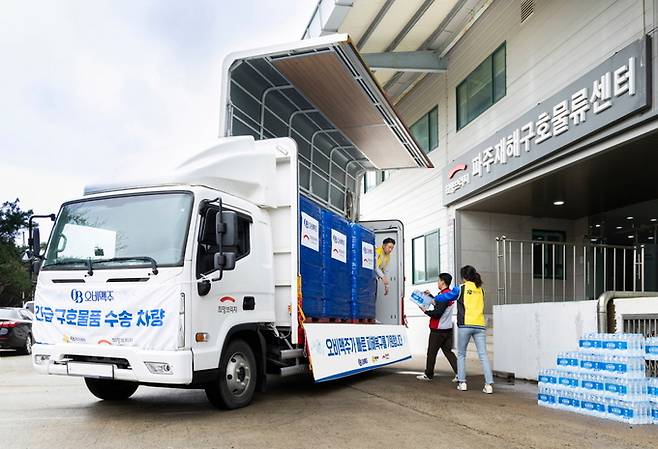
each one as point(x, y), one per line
point(248, 303)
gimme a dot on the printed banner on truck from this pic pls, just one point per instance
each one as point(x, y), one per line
point(338, 350)
point(143, 315)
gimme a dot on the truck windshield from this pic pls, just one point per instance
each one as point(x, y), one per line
point(140, 226)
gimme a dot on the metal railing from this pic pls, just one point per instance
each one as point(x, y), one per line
point(529, 271)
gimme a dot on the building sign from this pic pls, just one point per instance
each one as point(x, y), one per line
point(608, 93)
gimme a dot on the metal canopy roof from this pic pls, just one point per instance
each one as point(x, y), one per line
point(402, 40)
point(328, 76)
point(319, 93)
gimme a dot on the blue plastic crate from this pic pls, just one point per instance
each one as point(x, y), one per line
point(310, 257)
point(362, 266)
point(336, 273)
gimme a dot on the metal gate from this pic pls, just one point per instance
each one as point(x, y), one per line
point(647, 325)
point(529, 271)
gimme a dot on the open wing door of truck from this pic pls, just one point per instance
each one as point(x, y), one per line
point(320, 93)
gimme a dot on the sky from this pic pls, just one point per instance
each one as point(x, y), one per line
point(94, 89)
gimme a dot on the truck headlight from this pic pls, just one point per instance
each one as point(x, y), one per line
point(159, 368)
point(41, 359)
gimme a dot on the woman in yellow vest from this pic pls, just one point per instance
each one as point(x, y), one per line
point(471, 323)
point(383, 258)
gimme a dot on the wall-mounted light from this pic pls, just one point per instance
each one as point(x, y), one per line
point(558, 203)
point(619, 227)
point(629, 218)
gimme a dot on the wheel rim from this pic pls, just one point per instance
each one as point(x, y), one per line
point(238, 374)
point(28, 344)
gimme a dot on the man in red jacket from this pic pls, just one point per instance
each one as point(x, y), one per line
point(440, 331)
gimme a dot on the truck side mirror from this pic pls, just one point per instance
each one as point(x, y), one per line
point(225, 261)
point(35, 266)
point(226, 232)
point(36, 242)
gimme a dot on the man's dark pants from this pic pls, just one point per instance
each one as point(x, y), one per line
point(440, 339)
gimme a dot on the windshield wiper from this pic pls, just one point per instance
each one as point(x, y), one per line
point(154, 264)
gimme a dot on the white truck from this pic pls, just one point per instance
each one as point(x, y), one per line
point(190, 278)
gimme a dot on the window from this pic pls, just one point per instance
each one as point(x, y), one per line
point(550, 254)
point(482, 88)
point(208, 245)
point(112, 231)
point(425, 258)
point(373, 178)
point(426, 130)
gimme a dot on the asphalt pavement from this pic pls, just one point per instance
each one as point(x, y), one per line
point(387, 408)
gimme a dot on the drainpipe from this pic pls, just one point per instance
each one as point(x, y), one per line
point(605, 301)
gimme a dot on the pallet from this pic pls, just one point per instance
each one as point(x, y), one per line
point(341, 320)
point(363, 321)
point(327, 320)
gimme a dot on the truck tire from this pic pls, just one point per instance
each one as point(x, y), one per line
point(111, 390)
point(237, 377)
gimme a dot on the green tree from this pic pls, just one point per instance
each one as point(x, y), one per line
point(14, 278)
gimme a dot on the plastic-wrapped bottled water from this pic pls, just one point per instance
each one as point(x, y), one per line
point(651, 348)
point(591, 383)
point(568, 360)
point(629, 412)
point(590, 344)
point(589, 363)
point(568, 379)
point(627, 345)
point(626, 389)
point(547, 397)
point(547, 378)
point(616, 366)
point(593, 405)
point(569, 400)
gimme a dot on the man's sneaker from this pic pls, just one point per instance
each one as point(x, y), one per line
point(455, 380)
point(461, 386)
point(488, 388)
point(423, 377)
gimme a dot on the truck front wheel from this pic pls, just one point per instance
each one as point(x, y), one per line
point(111, 390)
point(237, 377)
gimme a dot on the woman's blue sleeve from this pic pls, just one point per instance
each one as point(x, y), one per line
point(452, 295)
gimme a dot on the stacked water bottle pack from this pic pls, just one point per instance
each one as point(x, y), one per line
point(606, 378)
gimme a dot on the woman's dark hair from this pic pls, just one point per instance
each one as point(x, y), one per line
point(388, 240)
point(469, 273)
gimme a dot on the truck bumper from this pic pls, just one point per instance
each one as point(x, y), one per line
point(126, 363)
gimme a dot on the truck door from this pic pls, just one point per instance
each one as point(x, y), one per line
point(390, 307)
point(242, 295)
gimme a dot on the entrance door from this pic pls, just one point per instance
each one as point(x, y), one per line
point(389, 307)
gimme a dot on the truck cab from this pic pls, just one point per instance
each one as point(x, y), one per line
point(191, 278)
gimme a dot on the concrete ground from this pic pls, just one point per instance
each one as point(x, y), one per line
point(388, 408)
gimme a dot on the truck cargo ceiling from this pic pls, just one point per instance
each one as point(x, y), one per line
point(320, 93)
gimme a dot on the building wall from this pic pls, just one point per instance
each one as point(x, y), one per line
point(561, 41)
